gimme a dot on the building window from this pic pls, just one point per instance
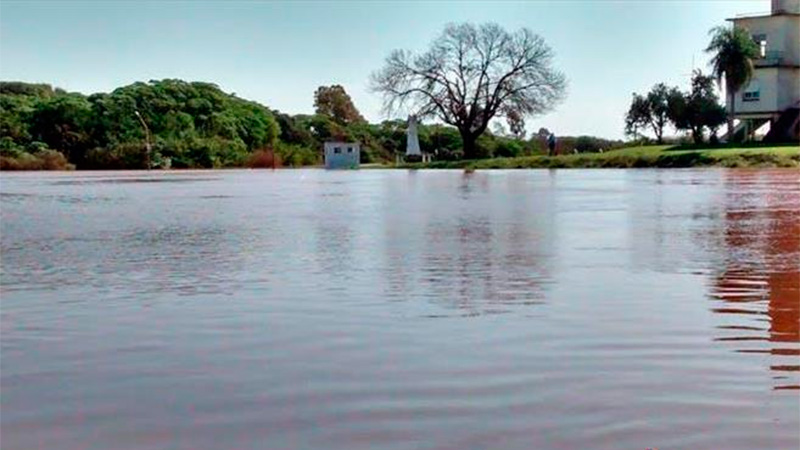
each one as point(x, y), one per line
point(337, 150)
point(752, 96)
point(349, 149)
point(761, 41)
point(752, 92)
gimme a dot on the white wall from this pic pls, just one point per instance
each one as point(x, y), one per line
point(782, 32)
point(791, 39)
point(342, 155)
point(767, 80)
point(789, 90)
point(779, 87)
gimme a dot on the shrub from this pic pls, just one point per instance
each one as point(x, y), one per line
point(485, 146)
point(365, 157)
point(36, 146)
point(230, 153)
point(53, 160)
point(43, 160)
point(508, 148)
point(201, 153)
point(263, 159)
point(23, 161)
point(121, 156)
point(9, 148)
point(296, 156)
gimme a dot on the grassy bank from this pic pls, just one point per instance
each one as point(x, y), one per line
point(648, 156)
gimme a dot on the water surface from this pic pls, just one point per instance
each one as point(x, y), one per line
point(401, 309)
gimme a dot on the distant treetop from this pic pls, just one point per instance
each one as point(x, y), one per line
point(334, 102)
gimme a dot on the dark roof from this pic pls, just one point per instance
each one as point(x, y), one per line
point(762, 16)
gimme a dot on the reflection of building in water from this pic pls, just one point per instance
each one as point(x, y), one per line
point(760, 283)
point(335, 234)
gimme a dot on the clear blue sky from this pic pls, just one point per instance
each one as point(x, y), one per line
point(277, 53)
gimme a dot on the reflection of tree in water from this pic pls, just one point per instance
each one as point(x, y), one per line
point(457, 267)
point(336, 226)
point(335, 248)
point(471, 184)
point(479, 267)
point(478, 253)
point(185, 260)
point(759, 288)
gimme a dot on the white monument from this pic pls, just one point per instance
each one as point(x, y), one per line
point(412, 138)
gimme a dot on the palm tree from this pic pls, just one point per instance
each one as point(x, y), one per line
point(733, 53)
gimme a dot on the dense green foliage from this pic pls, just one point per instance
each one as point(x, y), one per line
point(187, 125)
point(696, 111)
point(649, 111)
point(334, 102)
point(197, 125)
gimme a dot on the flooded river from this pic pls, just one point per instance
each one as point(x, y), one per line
point(305, 309)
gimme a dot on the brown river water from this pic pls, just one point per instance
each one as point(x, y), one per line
point(305, 309)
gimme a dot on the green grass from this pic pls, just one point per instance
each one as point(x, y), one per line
point(633, 157)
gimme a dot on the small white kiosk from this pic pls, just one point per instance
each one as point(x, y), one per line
point(342, 155)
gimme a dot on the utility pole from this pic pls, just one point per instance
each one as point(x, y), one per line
point(147, 145)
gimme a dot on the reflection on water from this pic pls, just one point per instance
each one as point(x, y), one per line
point(759, 284)
point(401, 309)
point(480, 257)
point(117, 179)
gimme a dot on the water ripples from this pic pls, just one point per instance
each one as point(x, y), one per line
point(396, 309)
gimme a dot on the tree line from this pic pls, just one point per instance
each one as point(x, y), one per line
point(698, 111)
point(470, 77)
point(197, 125)
point(157, 123)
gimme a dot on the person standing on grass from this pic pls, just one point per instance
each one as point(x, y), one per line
point(551, 144)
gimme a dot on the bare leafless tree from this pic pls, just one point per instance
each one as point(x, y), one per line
point(470, 75)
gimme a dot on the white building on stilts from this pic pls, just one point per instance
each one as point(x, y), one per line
point(773, 94)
